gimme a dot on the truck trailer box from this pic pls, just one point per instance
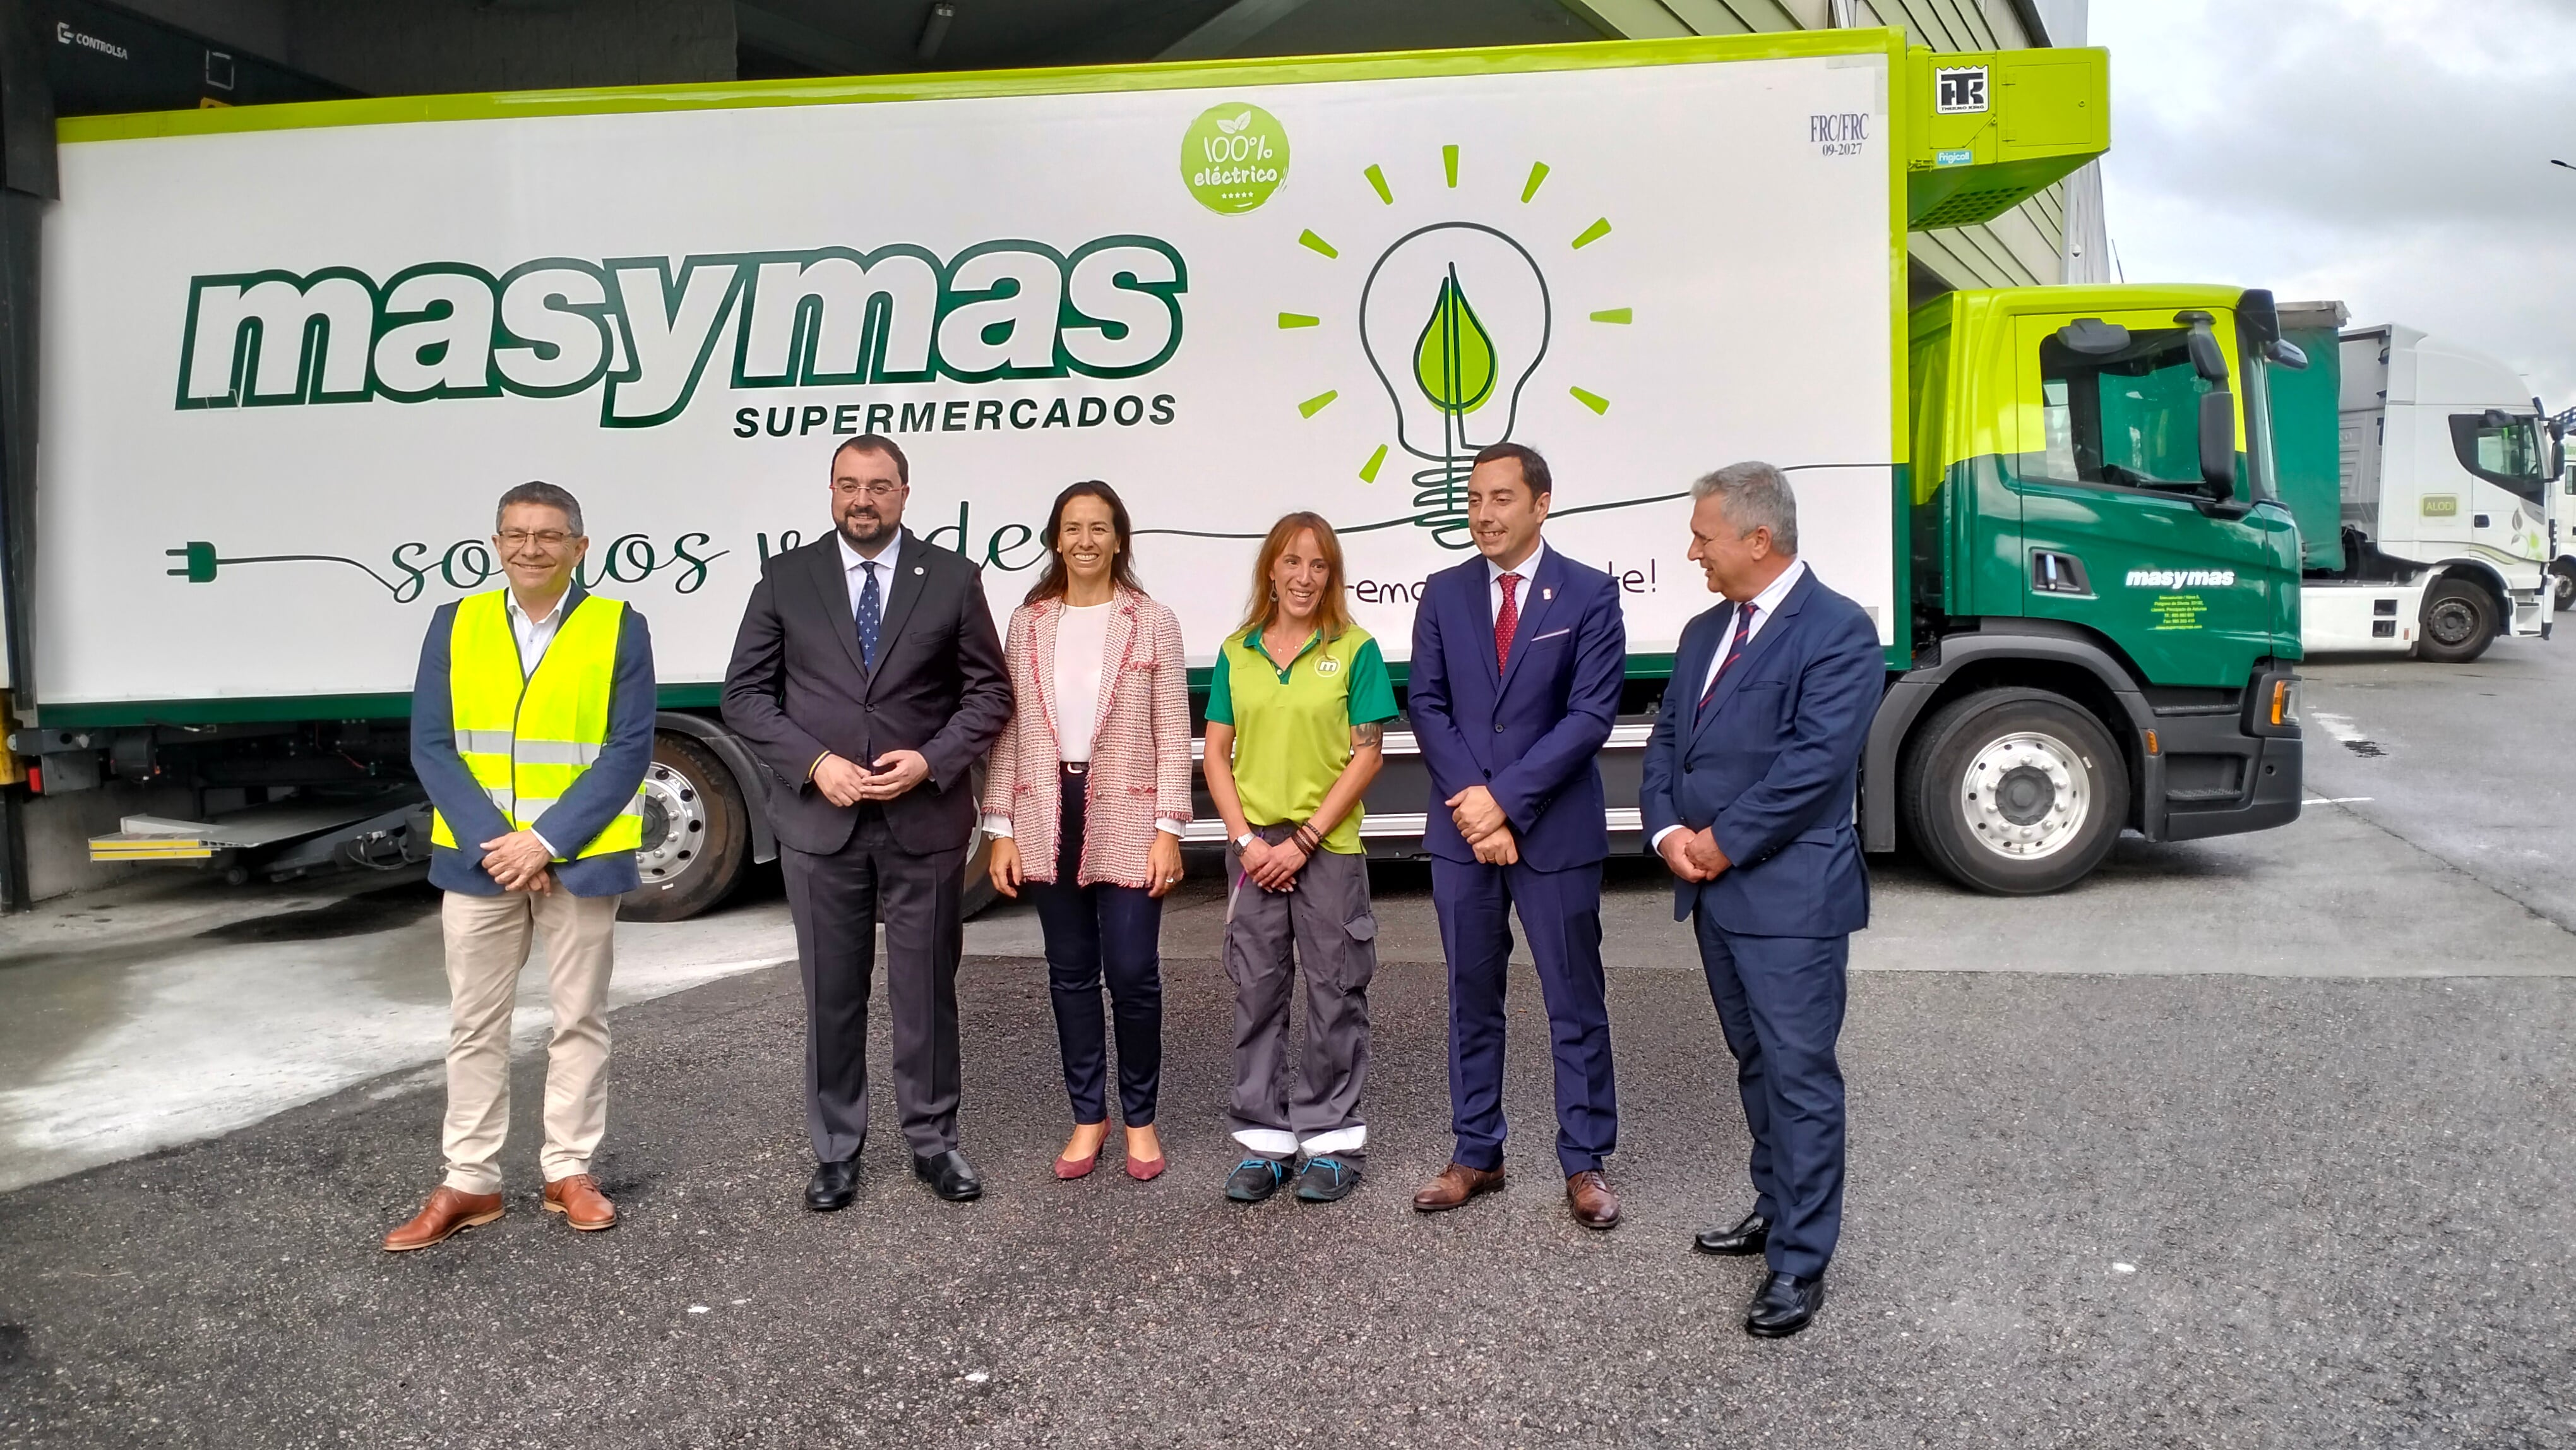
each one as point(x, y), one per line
point(291, 364)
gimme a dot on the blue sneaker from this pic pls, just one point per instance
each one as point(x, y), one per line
point(1256, 1179)
point(1327, 1180)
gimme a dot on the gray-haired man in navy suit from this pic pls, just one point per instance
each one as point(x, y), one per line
point(1748, 798)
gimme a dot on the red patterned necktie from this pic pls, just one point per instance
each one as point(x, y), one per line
point(1743, 636)
point(1506, 620)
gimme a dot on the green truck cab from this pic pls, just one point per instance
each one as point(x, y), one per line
point(2103, 583)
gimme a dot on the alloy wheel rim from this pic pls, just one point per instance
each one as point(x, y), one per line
point(675, 824)
point(2027, 796)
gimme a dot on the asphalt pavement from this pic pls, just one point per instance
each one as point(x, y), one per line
point(2253, 1142)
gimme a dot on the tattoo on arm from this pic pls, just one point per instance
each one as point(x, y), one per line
point(1366, 737)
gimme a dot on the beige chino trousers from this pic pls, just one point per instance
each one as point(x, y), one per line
point(487, 945)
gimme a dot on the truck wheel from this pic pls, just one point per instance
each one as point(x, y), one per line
point(697, 835)
point(2014, 791)
point(2459, 621)
point(2562, 586)
point(977, 891)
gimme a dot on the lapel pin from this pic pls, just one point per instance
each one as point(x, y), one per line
point(916, 568)
point(1547, 594)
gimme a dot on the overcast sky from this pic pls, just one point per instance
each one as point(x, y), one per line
point(2393, 154)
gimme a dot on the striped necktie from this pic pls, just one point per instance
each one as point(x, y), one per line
point(1743, 636)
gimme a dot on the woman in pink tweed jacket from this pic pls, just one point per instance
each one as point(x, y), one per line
point(1086, 794)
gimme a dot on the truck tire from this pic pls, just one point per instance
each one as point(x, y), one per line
point(2016, 792)
point(697, 833)
point(2562, 586)
point(977, 891)
point(2459, 622)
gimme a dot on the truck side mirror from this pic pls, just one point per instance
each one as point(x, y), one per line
point(2259, 315)
point(2206, 359)
point(2284, 353)
point(2218, 443)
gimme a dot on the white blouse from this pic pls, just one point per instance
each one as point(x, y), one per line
point(1081, 642)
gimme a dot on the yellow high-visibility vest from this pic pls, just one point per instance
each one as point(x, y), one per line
point(528, 737)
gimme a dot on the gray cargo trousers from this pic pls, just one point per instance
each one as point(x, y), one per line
point(1313, 1107)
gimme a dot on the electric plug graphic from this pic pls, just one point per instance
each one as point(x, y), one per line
point(200, 562)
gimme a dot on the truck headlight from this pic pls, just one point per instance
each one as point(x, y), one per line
point(2284, 704)
point(2272, 703)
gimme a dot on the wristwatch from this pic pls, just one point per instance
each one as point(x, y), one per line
point(1244, 841)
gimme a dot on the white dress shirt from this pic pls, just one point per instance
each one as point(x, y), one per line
point(857, 576)
point(1527, 569)
point(533, 635)
point(1765, 604)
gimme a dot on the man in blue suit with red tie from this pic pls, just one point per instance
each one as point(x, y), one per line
point(1748, 798)
point(1517, 663)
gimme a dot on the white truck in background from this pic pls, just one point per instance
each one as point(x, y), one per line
point(2448, 503)
point(2562, 549)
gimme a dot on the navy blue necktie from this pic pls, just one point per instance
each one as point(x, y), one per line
point(870, 615)
point(1735, 651)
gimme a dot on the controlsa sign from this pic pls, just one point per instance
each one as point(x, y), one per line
point(288, 369)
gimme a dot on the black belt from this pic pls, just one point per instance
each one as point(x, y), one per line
point(1075, 767)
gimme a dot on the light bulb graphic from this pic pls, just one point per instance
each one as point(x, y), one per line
point(1454, 318)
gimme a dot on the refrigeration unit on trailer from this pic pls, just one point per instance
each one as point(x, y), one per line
point(2440, 539)
point(1230, 289)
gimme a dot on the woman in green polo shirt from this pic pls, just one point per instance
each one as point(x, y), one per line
point(1298, 700)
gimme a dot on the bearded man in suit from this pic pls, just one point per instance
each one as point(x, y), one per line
point(868, 676)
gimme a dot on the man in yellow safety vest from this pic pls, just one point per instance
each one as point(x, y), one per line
point(531, 728)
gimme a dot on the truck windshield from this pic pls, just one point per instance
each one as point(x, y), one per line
point(2503, 450)
point(2130, 419)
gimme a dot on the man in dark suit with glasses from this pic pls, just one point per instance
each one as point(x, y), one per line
point(868, 676)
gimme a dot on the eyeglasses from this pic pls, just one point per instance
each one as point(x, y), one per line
point(521, 538)
point(878, 490)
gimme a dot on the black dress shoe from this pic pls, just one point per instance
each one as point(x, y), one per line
point(833, 1185)
point(949, 1175)
point(1784, 1305)
point(1749, 1236)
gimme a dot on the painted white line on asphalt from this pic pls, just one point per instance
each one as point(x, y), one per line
point(2338, 726)
point(2336, 800)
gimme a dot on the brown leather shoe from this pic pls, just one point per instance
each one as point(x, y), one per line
point(445, 1213)
point(1456, 1184)
point(581, 1203)
point(1589, 1195)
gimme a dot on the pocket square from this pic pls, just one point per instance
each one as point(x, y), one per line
point(1553, 633)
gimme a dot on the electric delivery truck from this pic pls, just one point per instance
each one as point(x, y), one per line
point(293, 353)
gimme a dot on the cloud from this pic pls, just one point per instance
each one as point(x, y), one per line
point(2392, 154)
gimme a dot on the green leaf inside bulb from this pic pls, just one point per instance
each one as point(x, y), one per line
point(1454, 360)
